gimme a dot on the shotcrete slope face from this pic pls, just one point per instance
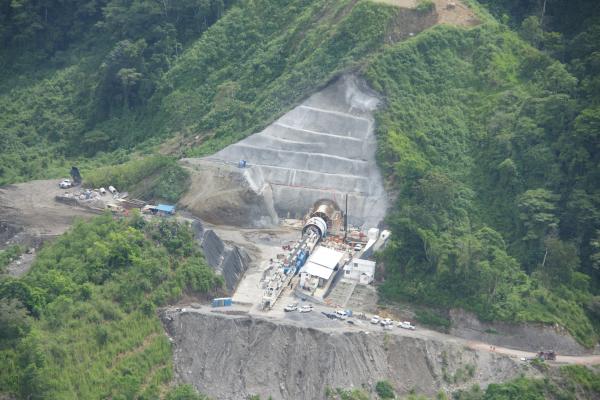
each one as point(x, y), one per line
point(324, 148)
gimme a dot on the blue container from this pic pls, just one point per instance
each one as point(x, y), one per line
point(222, 302)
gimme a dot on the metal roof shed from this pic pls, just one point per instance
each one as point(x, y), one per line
point(326, 257)
point(317, 270)
point(165, 208)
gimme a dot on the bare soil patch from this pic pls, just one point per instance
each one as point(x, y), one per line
point(29, 215)
point(448, 11)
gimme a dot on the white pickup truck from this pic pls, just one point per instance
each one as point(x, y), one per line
point(406, 325)
point(65, 184)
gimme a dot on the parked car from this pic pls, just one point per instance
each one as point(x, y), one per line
point(385, 322)
point(406, 325)
point(375, 320)
point(328, 315)
point(350, 322)
point(306, 308)
point(65, 184)
point(341, 314)
point(357, 247)
point(291, 307)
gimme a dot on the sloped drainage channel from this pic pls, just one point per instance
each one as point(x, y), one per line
point(229, 261)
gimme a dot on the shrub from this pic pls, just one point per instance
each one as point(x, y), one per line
point(425, 6)
point(385, 390)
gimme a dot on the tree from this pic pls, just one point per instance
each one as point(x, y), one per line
point(129, 78)
point(14, 319)
point(531, 30)
point(560, 261)
point(17, 289)
point(537, 214)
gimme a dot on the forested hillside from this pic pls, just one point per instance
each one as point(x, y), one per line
point(493, 147)
point(75, 75)
point(133, 75)
point(489, 136)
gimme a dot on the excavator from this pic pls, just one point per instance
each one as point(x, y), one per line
point(76, 176)
point(547, 355)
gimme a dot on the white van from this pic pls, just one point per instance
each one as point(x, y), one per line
point(341, 314)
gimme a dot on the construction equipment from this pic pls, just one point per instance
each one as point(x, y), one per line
point(546, 355)
point(76, 176)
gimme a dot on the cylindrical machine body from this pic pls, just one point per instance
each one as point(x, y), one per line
point(316, 224)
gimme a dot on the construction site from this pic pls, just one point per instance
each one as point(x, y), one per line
point(292, 218)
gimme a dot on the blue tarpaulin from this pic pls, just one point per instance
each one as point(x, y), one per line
point(165, 208)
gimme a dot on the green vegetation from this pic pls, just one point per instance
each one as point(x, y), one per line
point(151, 70)
point(76, 75)
point(184, 392)
point(153, 177)
point(82, 323)
point(432, 319)
point(490, 137)
point(425, 6)
point(341, 394)
point(8, 255)
point(488, 142)
point(385, 390)
point(566, 383)
point(572, 382)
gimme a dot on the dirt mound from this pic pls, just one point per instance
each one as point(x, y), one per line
point(220, 194)
point(232, 357)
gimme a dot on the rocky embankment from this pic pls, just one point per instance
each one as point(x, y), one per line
point(234, 356)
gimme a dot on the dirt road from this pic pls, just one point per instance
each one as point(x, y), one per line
point(578, 360)
point(317, 320)
point(29, 215)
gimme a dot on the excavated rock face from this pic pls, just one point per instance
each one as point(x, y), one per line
point(232, 357)
point(324, 148)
